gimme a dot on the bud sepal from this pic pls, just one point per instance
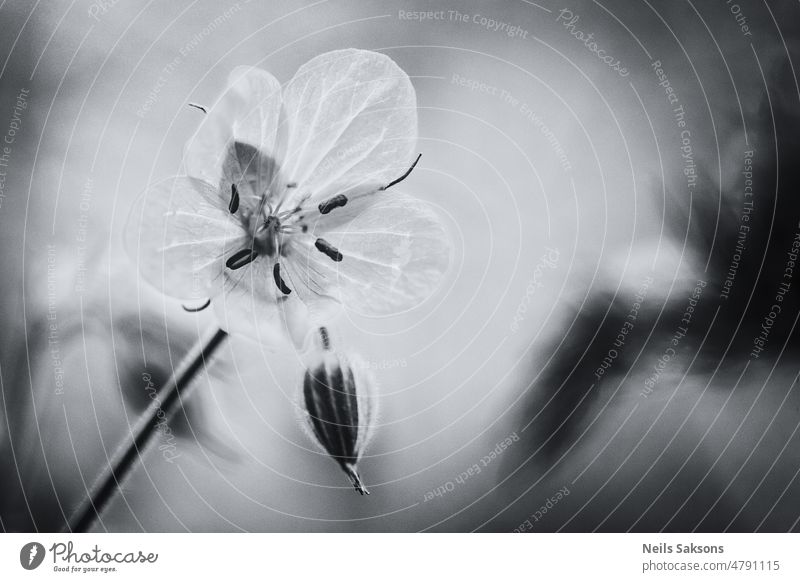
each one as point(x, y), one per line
point(339, 407)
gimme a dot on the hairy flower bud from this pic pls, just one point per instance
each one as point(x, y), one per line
point(339, 409)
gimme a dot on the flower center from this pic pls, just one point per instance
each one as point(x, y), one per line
point(270, 228)
point(267, 235)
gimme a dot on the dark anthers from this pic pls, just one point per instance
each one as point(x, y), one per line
point(335, 202)
point(276, 274)
point(241, 258)
point(233, 205)
point(328, 249)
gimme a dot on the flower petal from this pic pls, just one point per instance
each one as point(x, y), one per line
point(266, 316)
point(179, 238)
point(249, 314)
point(248, 112)
point(352, 119)
point(255, 174)
point(392, 256)
point(253, 305)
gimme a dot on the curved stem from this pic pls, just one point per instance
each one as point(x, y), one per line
point(125, 460)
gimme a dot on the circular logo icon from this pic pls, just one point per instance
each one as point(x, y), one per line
point(31, 555)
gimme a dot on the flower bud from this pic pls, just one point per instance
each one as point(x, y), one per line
point(339, 409)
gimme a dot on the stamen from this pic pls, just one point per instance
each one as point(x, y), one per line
point(404, 176)
point(241, 258)
point(270, 242)
point(291, 185)
point(289, 213)
point(233, 206)
point(196, 106)
point(330, 204)
point(196, 309)
point(327, 248)
point(276, 273)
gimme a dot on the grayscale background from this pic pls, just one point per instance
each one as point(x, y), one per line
point(568, 187)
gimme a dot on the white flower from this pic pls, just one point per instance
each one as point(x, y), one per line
point(287, 208)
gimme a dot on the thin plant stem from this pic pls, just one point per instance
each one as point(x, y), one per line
point(127, 457)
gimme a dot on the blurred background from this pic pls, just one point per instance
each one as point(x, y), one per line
point(620, 183)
